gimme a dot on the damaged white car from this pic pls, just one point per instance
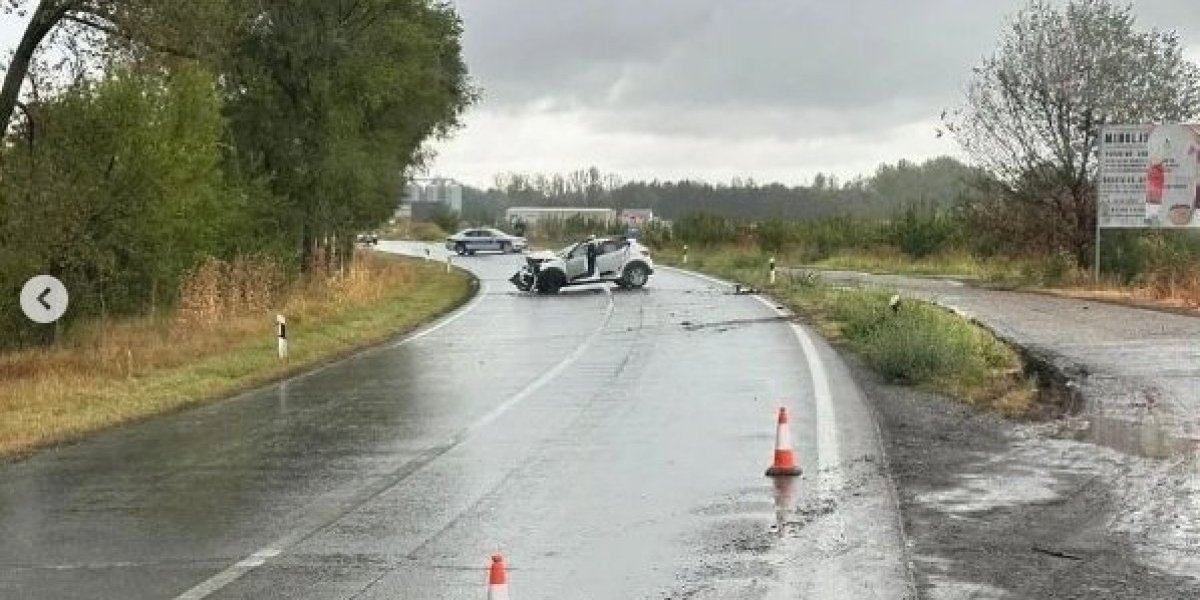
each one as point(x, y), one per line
point(622, 261)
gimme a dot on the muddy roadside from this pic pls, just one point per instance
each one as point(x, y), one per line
point(999, 509)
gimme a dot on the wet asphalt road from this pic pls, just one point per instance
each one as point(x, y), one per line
point(610, 444)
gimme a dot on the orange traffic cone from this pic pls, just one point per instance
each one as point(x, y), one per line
point(785, 459)
point(498, 579)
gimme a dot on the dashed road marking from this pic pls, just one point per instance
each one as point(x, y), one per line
point(323, 518)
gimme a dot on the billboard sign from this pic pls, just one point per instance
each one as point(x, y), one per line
point(1149, 176)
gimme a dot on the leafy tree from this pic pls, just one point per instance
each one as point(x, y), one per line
point(95, 28)
point(331, 101)
point(940, 182)
point(122, 192)
point(1034, 109)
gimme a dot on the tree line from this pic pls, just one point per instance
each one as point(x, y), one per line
point(938, 183)
point(143, 136)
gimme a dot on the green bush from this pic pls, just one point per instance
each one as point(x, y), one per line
point(775, 235)
point(917, 344)
point(656, 235)
point(821, 238)
point(444, 217)
point(428, 232)
point(705, 229)
point(574, 227)
point(922, 231)
point(1137, 256)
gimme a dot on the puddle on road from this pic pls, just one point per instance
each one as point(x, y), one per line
point(1146, 438)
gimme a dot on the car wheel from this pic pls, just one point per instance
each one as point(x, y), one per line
point(636, 276)
point(549, 283)
point(460, 249)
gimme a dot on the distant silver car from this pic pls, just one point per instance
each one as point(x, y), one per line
point(470, 241)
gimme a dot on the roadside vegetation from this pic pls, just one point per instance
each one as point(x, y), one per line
point(143, 138)
point(421, 231)
point(221, 340)
point(1161, 267)
point(188, 170)
point(917, 344)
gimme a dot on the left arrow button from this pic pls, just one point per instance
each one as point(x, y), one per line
point(44, 299)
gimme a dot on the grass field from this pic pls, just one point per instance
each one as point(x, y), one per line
point(110, 373)
point(920, 344)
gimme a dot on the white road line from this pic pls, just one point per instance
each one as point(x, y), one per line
point(444, 321)
point(831, 477)
point(484, 287)
point(828, 446)
point(546, 377)
point(260, 557)
point(712, 280)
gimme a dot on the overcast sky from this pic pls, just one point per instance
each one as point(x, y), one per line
point(777, 90)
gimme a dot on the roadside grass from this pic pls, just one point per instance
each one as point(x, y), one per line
point(954, 263)
point(920, 344)
point(109, 373)
point(420, 231)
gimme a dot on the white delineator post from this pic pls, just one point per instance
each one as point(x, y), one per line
point(427, 256)
point(772, 270)
point(449, 262)
point(281, 335)
point(685, 249)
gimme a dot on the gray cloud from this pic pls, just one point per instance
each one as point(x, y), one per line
point(713, 70)
point(747, 54)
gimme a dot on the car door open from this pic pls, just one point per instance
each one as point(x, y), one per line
point(576, 263)
point(611, 257)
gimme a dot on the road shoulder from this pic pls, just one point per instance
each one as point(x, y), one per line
point(994, 508)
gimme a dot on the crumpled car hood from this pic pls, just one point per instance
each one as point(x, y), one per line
point(541, 256)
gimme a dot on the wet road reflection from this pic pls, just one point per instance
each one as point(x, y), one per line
point(581, 434)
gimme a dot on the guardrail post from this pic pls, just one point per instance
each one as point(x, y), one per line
point(772, 270)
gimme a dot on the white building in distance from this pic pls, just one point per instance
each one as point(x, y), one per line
point(443, 190)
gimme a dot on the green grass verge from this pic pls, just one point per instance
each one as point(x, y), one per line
point(921, 344)
point(66, 392)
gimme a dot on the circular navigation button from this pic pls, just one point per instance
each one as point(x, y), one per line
point(44, 299)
